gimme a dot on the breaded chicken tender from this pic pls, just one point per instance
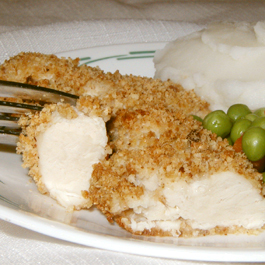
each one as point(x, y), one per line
point(168, 176)
point(60, 145)
point(98, 90)
point(157, 171)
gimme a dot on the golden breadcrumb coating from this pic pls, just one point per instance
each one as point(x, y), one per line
point(48, 71)
point(114, 91)
point(134, 92)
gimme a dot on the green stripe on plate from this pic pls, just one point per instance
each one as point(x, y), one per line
point(88, 60)
point(135, 57)
point(104, 58)
point(142, 52)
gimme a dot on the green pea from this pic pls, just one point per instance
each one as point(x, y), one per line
point(195, 117)
point(253, 143)
point(251, 116)
point(260, 112)
point(239, 127)
point(218, 122)
point(259, 122)
point(238, 111)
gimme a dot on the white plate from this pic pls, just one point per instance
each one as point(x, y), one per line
point(21, 203)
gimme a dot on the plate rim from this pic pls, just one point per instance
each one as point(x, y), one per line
point(57, 230)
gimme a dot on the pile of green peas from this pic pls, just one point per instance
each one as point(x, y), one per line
point(239, 121)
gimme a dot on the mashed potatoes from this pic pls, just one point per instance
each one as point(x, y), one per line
point(224, 64)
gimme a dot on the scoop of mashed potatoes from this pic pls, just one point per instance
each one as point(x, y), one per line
point(224, 64)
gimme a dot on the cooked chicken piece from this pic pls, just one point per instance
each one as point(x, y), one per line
point(170, 177)
point(60, 145)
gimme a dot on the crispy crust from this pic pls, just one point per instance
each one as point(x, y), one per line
point(183, 150)
point(115, 91)
point(48, 71)
point(186, 230)
point(135, 92)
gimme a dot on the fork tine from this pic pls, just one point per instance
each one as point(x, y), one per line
point(20, 108)
point(9, 128)
point(9, 136)
point(37, 93)
point(8, 120)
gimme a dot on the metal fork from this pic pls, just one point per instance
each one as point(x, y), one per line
point(34, 96)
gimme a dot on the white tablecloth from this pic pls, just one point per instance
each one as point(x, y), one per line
point(52, 26)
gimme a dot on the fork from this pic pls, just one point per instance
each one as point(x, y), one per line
point(35, 96)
